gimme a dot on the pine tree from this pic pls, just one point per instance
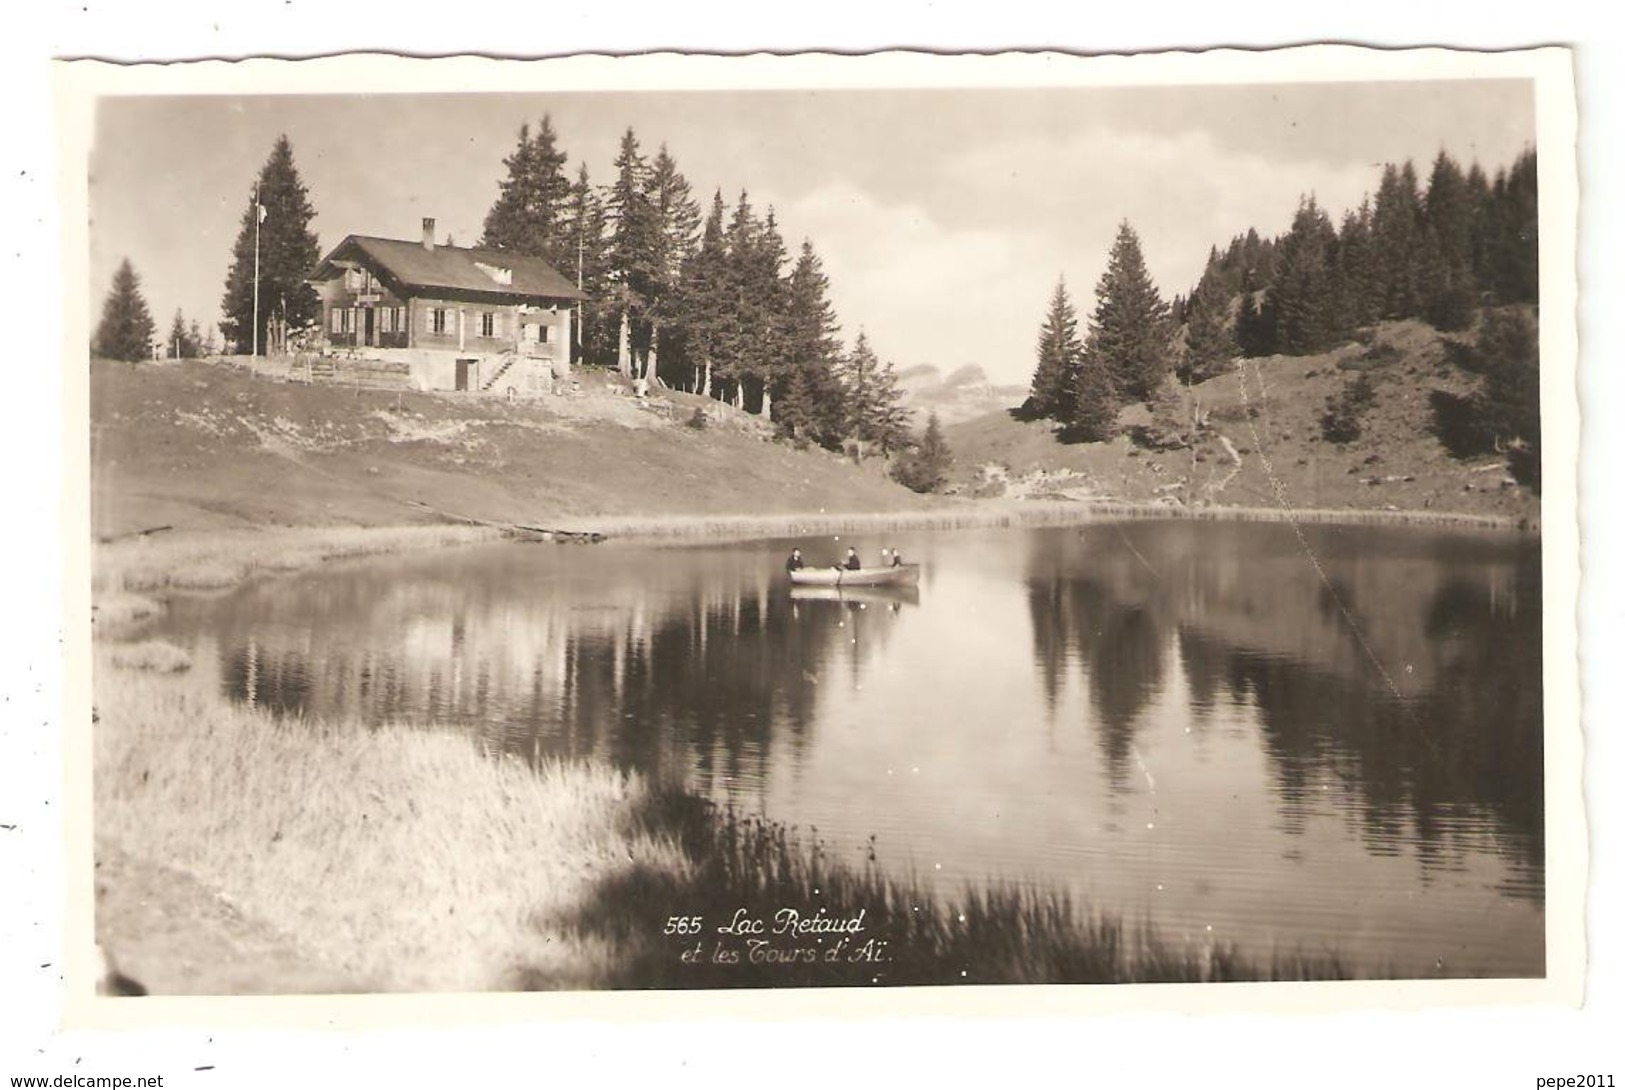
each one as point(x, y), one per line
point(588, 265)
point(875, 417)
point(1210, 344)
point(532, 208)
point(1095, 417)
point(126, 329)
point(1514, 233)
point(674, 224)
point(182, 342)
point(766, 295)
point(807, 396)
point(632, 244)
point(925, 468)
point(1397, 242)
point(280, 208)
point(1508, 404)
point(1478, 197)
point(1449, 291)
point(1304, 296)
point(194, 336)
point(1060, 354)
point(1255, 322)
point(704, 300)
point(737, 347)
point(1129, 332)
point(1356, 285)
point(888, 417)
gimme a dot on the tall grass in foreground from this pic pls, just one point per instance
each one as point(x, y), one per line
point(408, 860)
point(747, 868)
point(403, 859)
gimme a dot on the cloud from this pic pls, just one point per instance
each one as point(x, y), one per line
point(961, 272)
point(923, 291)
point(1182, 192)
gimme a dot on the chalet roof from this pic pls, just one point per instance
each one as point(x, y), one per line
point(452, 269)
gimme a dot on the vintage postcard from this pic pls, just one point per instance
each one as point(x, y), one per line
point(824, 534)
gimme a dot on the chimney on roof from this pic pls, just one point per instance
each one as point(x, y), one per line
point(428, 233)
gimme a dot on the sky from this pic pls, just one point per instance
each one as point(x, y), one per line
point(943, 217)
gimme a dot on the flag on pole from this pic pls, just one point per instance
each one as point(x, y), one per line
point(261, 208)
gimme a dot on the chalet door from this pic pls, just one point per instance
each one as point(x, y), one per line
point(371, 325)
point(465, 369)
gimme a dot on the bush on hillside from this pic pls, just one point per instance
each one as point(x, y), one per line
point(1503, 415)
point(1175, 419)
point(1342, 421)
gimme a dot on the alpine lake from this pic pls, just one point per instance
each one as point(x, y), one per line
point(1320, 739)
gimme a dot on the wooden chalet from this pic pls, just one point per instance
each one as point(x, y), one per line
point(459, 318)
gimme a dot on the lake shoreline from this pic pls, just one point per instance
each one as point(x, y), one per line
point(134, 569)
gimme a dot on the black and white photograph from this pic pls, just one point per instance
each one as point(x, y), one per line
point(917, 528)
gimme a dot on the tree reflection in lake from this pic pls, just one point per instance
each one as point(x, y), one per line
point(1415, 680)
point(692, 669)
point(1177, 721)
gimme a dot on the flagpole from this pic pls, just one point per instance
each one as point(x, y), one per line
point(259, 214)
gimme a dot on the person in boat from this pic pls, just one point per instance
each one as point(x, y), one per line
point(852, 561)
point(896, 559)
point(794, 563)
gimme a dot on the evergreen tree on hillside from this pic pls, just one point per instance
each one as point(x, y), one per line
point(1449, 291)
point(1513, 232)
point(925, 468)
point(1130, 331)
point(1094, 419)
point(587, 265)
point(1304, 294)
point(706, 300)
point(1356, 283)
point(1396, 230)
point(749, 348)
point(875, 417)
point(807, 404)
point(1255, 322)
point(1508, 404)
point(675, 221)
point(632, 256)
point(280, 205)
point(1478, 196)
point(531, 212)
point(767, 293)
point(182, 343)
point(1060, 355)
point(126, 328)
point(1210, 344)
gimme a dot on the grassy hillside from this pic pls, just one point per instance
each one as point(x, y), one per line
point(1264, 433)
point(204, 446)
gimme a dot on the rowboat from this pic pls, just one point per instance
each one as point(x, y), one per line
point(903, 575)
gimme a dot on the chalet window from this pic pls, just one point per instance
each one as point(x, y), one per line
point(386, 319)
point(542, 332)
point(337, 320)
point(437, 320)
point(488, 324)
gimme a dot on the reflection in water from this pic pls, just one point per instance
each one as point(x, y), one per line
point(1414, 681)
point(1179, 721)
